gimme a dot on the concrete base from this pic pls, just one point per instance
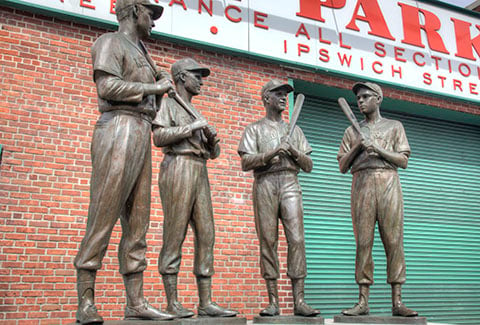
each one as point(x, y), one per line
point(288, 320)
point(136, 322)
point(212, 321)
point(368, 319)
point(184, 321)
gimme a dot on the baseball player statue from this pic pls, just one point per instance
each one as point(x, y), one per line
point(127, 86)
point(373, 158)
point(188, 141)
point(276, 160)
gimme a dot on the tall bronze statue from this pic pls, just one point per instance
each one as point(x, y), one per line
point(127, 86)
point(276, 159)
point(188, 141)
point(373, 157)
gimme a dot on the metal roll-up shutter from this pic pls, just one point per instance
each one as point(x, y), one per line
point(441, 188)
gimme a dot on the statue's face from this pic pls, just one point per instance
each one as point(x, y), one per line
point(144, 21)
point(277, 100)
point(368, 101)
point(193, 82)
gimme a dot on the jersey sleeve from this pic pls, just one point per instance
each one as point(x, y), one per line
point(346, 144)
point(401, 143)
point(302, 142)
point(107, 55)
point(163, 118)
point(248, 142)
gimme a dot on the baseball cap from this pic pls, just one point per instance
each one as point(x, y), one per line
point(121, 5)
point(189, 64)
point(369, 85)
point(275, 84)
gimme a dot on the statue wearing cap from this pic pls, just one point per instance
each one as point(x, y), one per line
point(129, 88)
point(188, 141)
point(373, 158)
point(276, 161)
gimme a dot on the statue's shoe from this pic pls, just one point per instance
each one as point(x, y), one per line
point(179, 311)
point(214, 310)
point(402, 310)
point(270, 311)
point(146, 312)
point(357, 310)
point(88, 314)
point(303, 309)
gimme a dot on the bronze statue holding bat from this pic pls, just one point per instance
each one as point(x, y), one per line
point(128, 86)
point(276, 151)
point(373, 150)
point(188, 141)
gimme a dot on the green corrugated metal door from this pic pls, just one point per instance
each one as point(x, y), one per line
point(441, 189)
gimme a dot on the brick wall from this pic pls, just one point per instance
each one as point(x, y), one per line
point(47, 113)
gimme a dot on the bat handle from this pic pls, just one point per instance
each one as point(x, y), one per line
point(172, 93)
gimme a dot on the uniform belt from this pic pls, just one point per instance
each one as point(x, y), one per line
point(187, 156)
point(276, 172)
point(375, 170)
point(141, 115)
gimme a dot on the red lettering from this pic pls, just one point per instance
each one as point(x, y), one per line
point(437, 60)
point(344, 59)
point(201, 5)
point(427, 78)
point(374, 18)
point(412, 28)
point(312, 9)
point(362, 66)
point(324, 57)
point(449, 66)
point(380, 49)
point(285, 46)
point(340, 35)
point(465, 43)
point(259, 17)
point(320, 37)
point(178, 2)
point(442, 80)
point(457, 84)
point(465, 74)
point(394, 71)
point(473, 87)
point(420, 64)
point(112, 6)
point(87, 5)
point(232, 19)
point(374, 64)
point(302, 48)
point(399, 53)
point(302, 31)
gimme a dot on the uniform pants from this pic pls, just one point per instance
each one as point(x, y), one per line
point(278, 196)
point(119, 188)
point(377, 197)
point(185, 195)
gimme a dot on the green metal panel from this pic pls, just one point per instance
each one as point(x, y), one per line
point(441, 189)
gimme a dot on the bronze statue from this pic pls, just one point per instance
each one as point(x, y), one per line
point(373, 158)
point(127, 86)
point(276, 160)
point(188, 141)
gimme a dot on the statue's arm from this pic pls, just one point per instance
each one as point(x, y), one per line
point(114, 88)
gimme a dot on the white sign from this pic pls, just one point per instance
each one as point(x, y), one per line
point(408, 43)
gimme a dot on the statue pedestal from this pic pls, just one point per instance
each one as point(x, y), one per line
point(184, 321)
point(368, 319)
point(288, 320)
point(210, 321)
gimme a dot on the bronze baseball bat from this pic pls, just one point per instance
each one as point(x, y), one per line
point(349, 114)
point(297, 108)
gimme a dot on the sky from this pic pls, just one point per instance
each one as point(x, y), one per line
point(459, 3)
